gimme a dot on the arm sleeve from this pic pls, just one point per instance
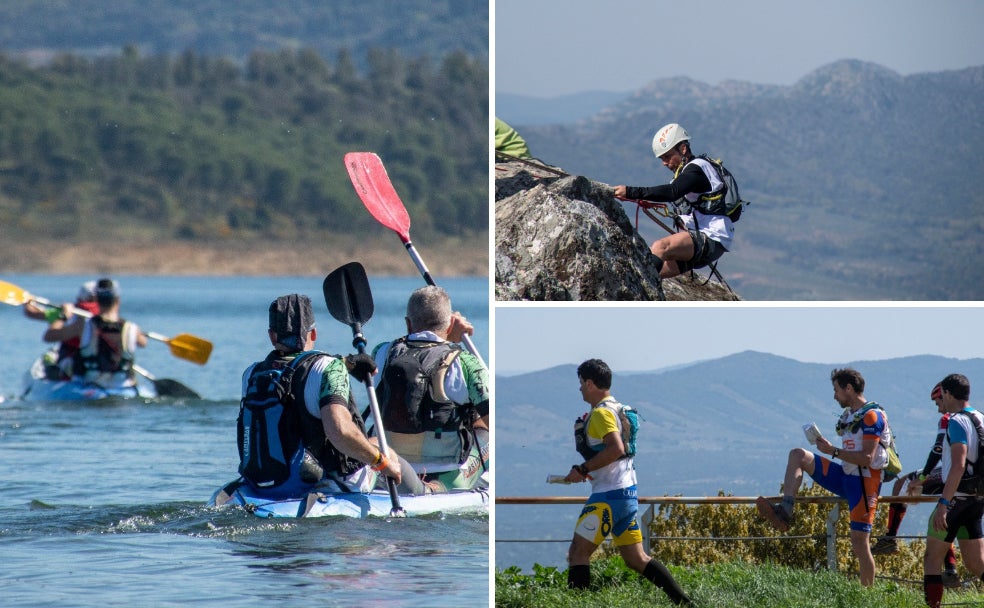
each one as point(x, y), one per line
point(334, 384)
point(477, 378)
point(935, 455)
point(690, 180)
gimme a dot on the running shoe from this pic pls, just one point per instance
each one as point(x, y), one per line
point(951, 580)
point(774, 514)
point(886, 545)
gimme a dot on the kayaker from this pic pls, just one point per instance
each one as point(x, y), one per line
point(299, 427)
point(612, 507)
point(707, 232)
point(107, 342)
point(59, 365)
point(434, 395)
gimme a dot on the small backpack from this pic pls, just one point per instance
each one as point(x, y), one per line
point(972, 481)
point(269, 426)
point(726, 202)
point(628, 419)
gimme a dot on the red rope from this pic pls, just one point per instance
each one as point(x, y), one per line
point(641, 204)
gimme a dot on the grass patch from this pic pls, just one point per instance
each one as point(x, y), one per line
point(711, 585)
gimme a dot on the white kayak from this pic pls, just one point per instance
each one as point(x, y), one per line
point(38, 387)
point(351, 504)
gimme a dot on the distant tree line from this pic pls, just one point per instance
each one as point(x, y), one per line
point(192, 146)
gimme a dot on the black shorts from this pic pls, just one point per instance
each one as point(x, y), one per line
point(963, 520)
point(706, 251)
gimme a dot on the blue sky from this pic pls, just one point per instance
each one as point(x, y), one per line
point(546, 48)
point(640, 338)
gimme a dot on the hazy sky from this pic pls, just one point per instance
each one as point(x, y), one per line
point(546, 48)
point(640, 338)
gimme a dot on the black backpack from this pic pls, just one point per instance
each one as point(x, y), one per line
point(269, 427)
point(726, 202)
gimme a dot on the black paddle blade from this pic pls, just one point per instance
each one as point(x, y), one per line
point(166, 387)
point(347, 294)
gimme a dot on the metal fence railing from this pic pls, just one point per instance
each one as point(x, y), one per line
point(653, 501)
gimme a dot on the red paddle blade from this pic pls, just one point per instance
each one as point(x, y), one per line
point(373, 186)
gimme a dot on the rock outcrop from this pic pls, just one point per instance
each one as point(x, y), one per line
point(563, 237)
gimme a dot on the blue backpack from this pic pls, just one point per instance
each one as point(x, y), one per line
point(269, 425)
point(628, 419)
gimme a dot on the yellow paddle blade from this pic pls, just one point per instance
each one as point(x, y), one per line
point(192, 348)
point(12, 294)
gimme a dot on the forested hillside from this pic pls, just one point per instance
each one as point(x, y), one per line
point(163, 120)
point(221, 28)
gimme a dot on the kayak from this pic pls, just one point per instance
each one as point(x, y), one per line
point(350, 504)
point(38, 387)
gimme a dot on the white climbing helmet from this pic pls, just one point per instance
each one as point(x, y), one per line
point(668, 137)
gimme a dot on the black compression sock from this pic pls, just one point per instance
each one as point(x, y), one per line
point(579, 577)
point(661, 577)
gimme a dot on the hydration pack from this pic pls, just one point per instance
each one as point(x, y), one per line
point(726, 201)
point(411, 391)
point(270, 431)
point(972, 481)
point(893, 467)
point(628, 423)
point(106, 350)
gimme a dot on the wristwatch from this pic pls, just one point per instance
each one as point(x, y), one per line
point(835, 453)
point(580, 468)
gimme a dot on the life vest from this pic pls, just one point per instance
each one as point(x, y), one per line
point(723, 198)
point(68, 348)
point(628, 426)
point(411, 391)
point(108, 349)
point(275, 429)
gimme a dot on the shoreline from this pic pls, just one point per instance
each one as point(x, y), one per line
point(449, 258)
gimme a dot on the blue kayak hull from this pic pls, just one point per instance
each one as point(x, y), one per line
point(38, 388)
point(351, 504)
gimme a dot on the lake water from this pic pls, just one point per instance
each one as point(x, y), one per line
point(102, 505)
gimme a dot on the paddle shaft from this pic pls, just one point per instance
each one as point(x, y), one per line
point(349, 300)
point(430, 281)
point(359, 342)
point(193, 349)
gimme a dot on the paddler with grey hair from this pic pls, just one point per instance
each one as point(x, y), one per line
point(299, 429)
point(434, 395)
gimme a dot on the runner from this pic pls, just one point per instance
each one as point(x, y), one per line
point(612, 507)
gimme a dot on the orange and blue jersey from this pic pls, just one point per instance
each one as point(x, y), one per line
point(860, 486)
